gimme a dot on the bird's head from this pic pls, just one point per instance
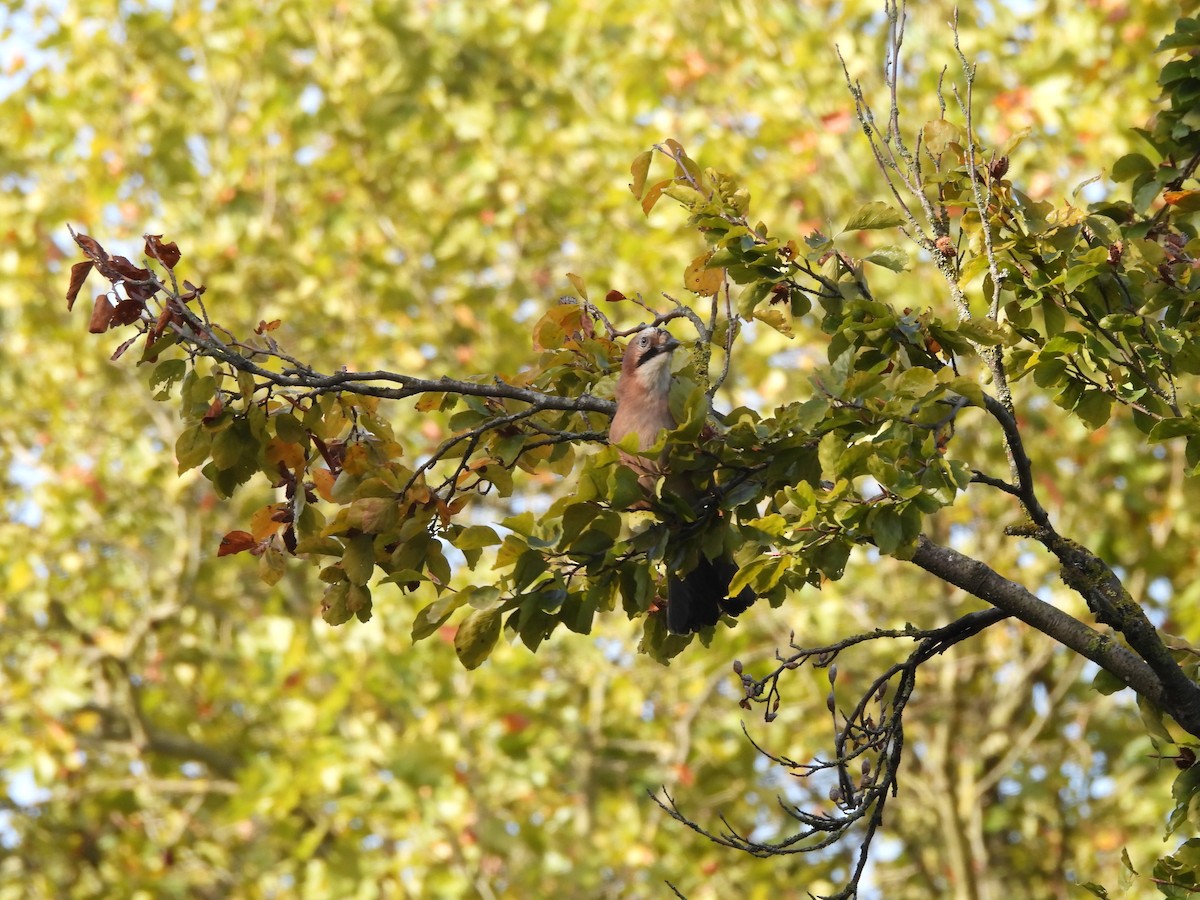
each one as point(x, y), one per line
point(648, 359)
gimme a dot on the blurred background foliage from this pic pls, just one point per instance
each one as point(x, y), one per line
point(405, 185)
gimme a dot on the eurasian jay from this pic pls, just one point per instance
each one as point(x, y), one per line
point(697, 599)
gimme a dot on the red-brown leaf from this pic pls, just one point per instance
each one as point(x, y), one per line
point(127, 312)
point(79, 274)
point(614, 296)
point(124, 346)
point(102, 312)
point(90, 247)
point(161, 325)
point(127, 269)
point(236, 542)
point(166, 253)
point(214, 410)
point(140, 292)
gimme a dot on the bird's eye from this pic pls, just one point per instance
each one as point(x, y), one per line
point(644, 340)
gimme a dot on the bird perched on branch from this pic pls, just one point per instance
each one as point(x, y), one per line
point(698, 598)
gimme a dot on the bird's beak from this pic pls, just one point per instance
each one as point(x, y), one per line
point(669, 344)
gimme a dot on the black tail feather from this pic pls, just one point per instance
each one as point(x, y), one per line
point(697, 600)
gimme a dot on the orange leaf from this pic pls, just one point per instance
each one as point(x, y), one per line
point(263, 523)
point(323, 481)
point(355, 461)
point(291, 455)
point(653, 194)
point(1187, 201)
point(236, 542)
point(214, 411)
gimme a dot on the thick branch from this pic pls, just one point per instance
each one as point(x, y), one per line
point(1106, 596)
point(983, 582)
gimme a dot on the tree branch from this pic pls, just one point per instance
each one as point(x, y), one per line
point(980, 580)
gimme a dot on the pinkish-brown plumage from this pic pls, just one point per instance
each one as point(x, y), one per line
point(698, 598)
point(643, 393)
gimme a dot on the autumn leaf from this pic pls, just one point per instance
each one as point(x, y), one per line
point(653, 194)
point(214, 411)
point(323, 481)
point(289, 454)
point(265, 521)
point(236, 542)
point(102, 313)
point(166, 253)
point(699, 279)
point(1185, 201)
point(79, 274)
point(639, 170)
point(577, 283)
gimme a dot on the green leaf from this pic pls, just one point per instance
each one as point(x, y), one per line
point(359, 558)
point(288, 428)
point(476, 636)
point(578, 614)
point(1130, 166)
point(475, 537)
point(233, 445)
point(334, 609)
point(874, 215)
point(358, 601)
point(1107, 683)
point(430, 619)
point(887, 529)
point(830, 451)
point(623, 488)
point(1167, 429)
point(894, 258)
point(192, 447)
point(983, 331)
point(166, 373)
point(1094, 408)
point(916, 382)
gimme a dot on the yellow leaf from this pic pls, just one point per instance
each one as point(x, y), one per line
point(699, 279)
point(580, 288)
point(430, 402)
point(776, 318)
point(639, 169)
point(355, 461)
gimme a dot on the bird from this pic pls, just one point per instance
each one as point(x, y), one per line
point(696, 599)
